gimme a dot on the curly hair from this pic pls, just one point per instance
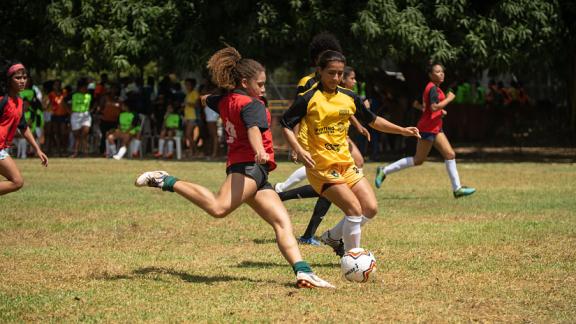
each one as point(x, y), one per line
point(4, 77)
point(228, 68)
point(322, 42)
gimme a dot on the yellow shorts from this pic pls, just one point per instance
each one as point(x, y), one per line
point(320, 180)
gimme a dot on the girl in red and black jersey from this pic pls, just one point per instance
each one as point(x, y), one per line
point(430, 126)
point(250, 157)
point(12, 81)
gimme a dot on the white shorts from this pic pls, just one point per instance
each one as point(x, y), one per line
point(4, 154)
point(79, 120)
point(211, 115)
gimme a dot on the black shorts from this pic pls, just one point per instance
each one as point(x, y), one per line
point(258, 172)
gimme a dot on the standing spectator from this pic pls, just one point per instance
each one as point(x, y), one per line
point(192, 132)
point(109, 112)
point(59, 119)
point(80, 119)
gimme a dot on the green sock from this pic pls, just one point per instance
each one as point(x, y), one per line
point(169, 182)
point(301, 266)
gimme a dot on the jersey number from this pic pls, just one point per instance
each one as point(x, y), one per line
point(231, 132)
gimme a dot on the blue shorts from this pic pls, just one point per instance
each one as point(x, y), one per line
point(429, 136)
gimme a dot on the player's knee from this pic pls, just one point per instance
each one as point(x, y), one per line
point(371, 210)
point(219, 212)
point(17, 184)
point(450, 155)
point(354, 209)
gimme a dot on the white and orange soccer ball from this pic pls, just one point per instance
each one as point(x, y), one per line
point(358, 265)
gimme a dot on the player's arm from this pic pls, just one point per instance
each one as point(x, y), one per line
point(361, 129)
point(435, 104)
point(254, 118)
point(291, 118)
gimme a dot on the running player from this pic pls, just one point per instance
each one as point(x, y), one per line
point(430, 126)
point(326, 110)
point(12, 81)
point(250, 158)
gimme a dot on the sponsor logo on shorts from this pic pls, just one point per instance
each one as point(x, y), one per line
point(335, 174)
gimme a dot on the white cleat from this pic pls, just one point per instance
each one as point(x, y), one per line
point(151, 179)
point(310, 280)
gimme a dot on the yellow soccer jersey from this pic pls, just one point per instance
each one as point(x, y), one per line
point(326, 116)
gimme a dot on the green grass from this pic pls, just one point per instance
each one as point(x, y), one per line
point(80, 243)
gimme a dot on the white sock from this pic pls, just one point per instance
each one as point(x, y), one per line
point(351, 232)
point(294, 178)
point(170, 147)
point(161, 146)
point(336, 231)
point(453, 174)
point(120, 153)
point(399, 165)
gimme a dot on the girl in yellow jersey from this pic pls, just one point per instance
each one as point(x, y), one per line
point(326, 110)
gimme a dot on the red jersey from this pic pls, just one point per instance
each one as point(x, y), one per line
point(10, 119)
point(431, 121)
point(56, 103)
point(240, 112)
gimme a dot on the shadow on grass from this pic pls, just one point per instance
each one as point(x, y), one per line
point(257, 265)
point(264, 241)
point(144, 272)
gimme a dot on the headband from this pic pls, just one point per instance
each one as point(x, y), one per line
point(14, 68)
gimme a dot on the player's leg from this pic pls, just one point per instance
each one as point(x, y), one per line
point(9, 170)
point(443, 146)
point(320, 209)
point(343, 197)
point(297, 176)
point(298, 193)
point(422, 150)
point(268, 205)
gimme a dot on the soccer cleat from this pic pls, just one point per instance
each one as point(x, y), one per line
point(464, 191)
point(380, 177)
point(310, 280)
point(309, 241)
point(151, 179)
point(336, 245)
point(278, 187)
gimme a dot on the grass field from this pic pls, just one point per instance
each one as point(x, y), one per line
point(80, 243)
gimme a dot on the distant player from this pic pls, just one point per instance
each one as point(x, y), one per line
point(326, 110)
point(250, 157)
point(430, 126)
point(12, 81)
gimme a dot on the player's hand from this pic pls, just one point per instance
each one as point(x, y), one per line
point(306, 159)
point(451, 96)
point(411, 131)
point(43, 157)
point(362, 130)
point(293, 156)
point(261, 157)
point(444, 113)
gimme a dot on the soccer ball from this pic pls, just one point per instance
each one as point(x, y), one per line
point(357, 265)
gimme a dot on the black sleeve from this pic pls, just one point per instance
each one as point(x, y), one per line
point(363, 114)
point(136, 120)
point(433, 95)
point(213, 101)
point(254, 114)
point(23, 124)
point(295, 113)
